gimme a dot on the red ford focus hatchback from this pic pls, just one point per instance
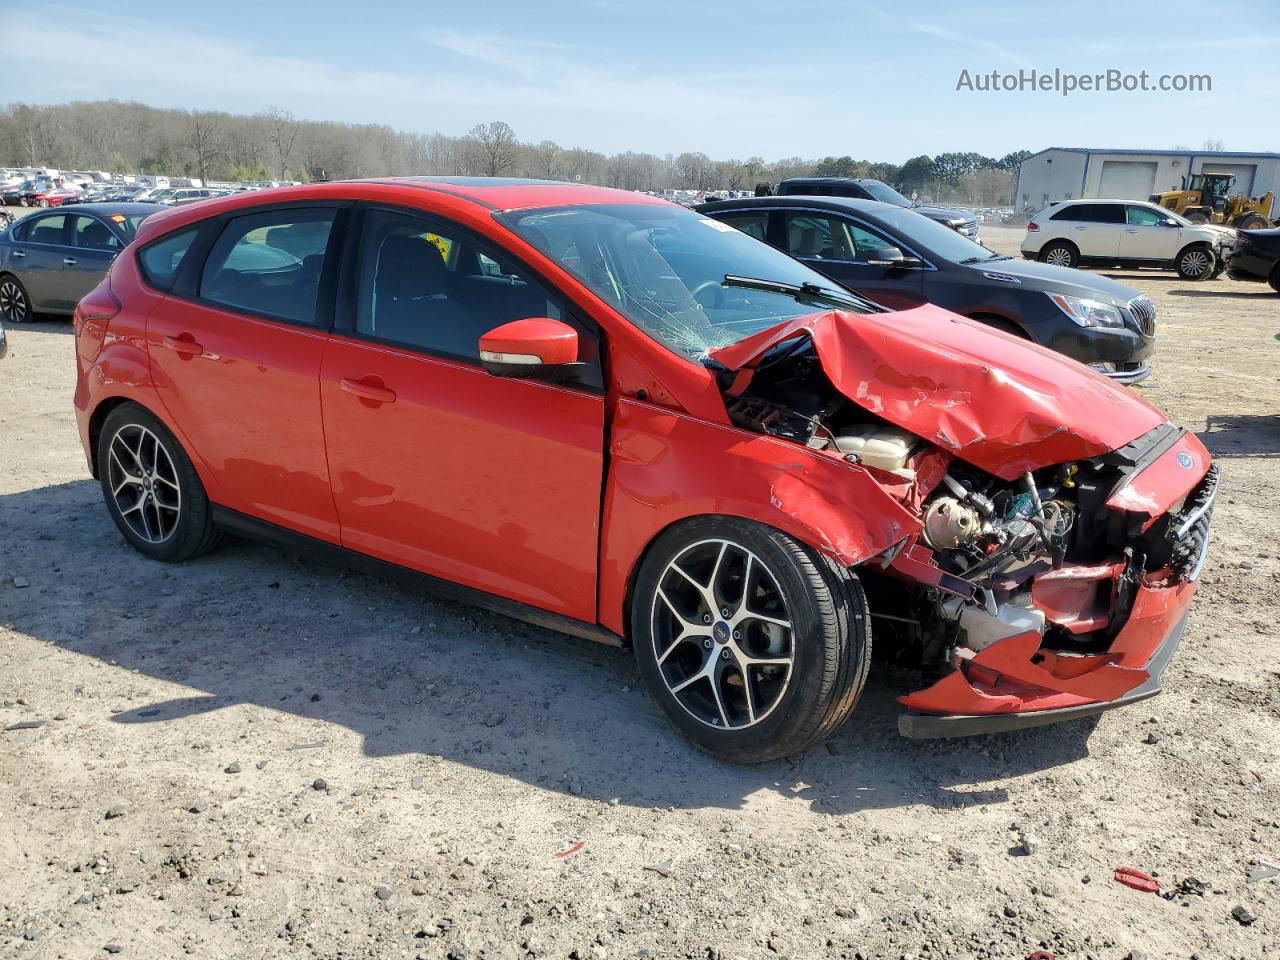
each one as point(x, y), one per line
point(615, 417)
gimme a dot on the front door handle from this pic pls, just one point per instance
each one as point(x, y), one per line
point(184, 345)
point(367, 391)
point(18, 253)
point(69, 261)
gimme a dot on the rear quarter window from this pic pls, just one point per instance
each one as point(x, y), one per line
point(161, 260)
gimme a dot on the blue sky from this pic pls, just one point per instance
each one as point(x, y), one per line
point(877, 82)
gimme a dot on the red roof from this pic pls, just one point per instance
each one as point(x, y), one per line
point(513, 194)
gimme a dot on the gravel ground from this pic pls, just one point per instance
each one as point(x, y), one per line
point(252, 755)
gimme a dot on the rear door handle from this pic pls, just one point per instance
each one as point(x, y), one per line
point(184, 345)
point(69, 261)
point(367, 391)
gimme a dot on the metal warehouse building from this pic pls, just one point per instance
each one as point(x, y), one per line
point(1070, 173)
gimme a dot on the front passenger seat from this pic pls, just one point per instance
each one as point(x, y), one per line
point(411, 301)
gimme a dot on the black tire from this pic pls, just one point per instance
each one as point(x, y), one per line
point(1198, 216)
point(1252, 221)
point(830, 642)
point(1274, 279)
point(1063, 253)
point(15, 303)
point(192, 532)
point(1196, 262)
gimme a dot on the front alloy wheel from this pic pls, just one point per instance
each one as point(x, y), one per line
point(754, 645)
point(722, 636)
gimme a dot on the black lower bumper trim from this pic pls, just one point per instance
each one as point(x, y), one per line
point(928, 726)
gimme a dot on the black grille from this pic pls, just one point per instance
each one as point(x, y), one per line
point(1144, 311)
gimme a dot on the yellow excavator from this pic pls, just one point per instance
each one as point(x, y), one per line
point(1206, 198)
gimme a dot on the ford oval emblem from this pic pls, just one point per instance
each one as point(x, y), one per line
point(1184, 459)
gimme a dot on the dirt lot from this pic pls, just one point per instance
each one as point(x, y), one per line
point(255, 756)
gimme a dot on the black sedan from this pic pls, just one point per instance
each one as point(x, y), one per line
point(49, 260)
point(1256, 256)
point(901, 259)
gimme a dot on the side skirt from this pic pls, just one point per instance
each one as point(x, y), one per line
point(254, 529)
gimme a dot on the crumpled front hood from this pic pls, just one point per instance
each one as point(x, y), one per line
point(1002, 404)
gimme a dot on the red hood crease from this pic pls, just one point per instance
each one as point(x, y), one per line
point(996, 401)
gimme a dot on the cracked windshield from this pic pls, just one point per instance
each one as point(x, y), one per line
point(692, 283)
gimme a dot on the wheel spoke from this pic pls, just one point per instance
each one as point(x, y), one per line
point(702, 589)
point(767, 661)
point(716, 677)
point(745, 670)
point(689, 681)
point(764, 618)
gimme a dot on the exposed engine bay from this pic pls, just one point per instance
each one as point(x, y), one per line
point(1042, 553)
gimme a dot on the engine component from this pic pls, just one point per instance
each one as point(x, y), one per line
point(949, 524)
point(979, 628)
point(882, 447)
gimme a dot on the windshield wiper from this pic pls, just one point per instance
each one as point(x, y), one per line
point(810, 291)
point(995, 256)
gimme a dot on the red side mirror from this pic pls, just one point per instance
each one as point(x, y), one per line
point(528, 348)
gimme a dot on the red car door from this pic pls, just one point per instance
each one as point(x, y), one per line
point(491, 482)
point(235, 355)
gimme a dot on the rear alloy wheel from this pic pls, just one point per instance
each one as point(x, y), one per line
point(1060, 254)
point(151, 489)
point(15, 306)
point(1196, 263)
point(754, 646)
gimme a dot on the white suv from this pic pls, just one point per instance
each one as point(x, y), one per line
point(1126, 233)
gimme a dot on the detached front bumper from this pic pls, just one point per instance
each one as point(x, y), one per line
point(921, 726)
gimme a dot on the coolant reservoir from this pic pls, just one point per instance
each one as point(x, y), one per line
point(885, 448)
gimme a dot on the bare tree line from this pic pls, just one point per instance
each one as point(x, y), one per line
point(131, 138)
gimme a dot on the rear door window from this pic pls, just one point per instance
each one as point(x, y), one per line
point(754, 223)
point(90, 233)
point(816, 237)
point(48, 230)
point(269, 264)
point(1092, 213)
